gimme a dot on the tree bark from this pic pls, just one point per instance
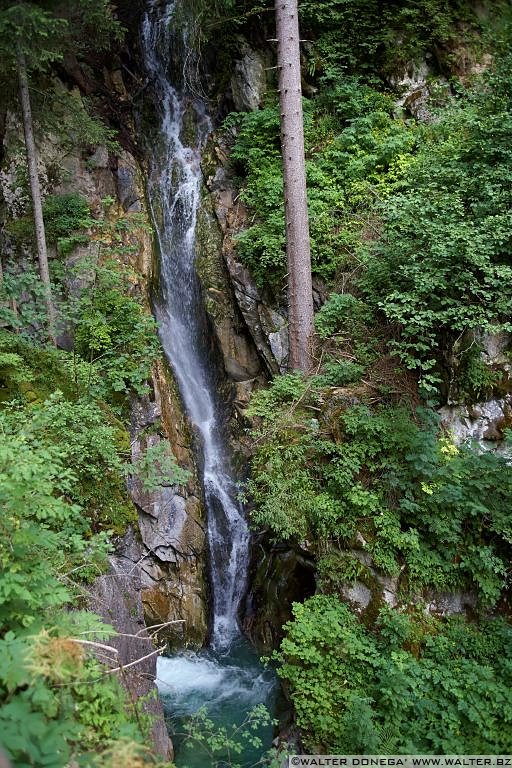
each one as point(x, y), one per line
point(35, 191)
point(300, 293)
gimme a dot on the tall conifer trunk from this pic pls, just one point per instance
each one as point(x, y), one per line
point(300, 294)
point(35, 191)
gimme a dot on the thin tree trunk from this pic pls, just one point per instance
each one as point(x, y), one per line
point(300, 293)
point(35, 191)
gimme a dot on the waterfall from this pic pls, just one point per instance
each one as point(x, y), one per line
point(174, 188)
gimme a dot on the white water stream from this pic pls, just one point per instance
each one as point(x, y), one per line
point(228, 677)
point(174, 192)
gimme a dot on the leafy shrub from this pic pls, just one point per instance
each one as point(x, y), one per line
point(86, 443)
point(29, 372)
point(350, 161)
point(114, 333)
point(65, 214)
point(65, 218)
point(157, 467)
point(339, 373)
point(415, 685)
point(42, 533)
point(364, 36)
point(420, 503)
point(442, 267)
point(284, 389)
point(340, 311)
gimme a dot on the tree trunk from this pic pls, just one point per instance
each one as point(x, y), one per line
point(300, 293)
point(35, 191)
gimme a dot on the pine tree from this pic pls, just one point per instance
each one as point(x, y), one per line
point(29, 42)
point(300, 294)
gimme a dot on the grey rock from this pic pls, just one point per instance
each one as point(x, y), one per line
point(358, 594)
point(452, 603)
point(126, 184)
point(161, 532)
point(482, 422)
point(417, 87)
point(116, 597)
point(495, 347)
point(248, 82)
point(99, 159)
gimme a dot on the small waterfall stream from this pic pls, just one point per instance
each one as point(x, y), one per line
point(227, 675)
point(174, 187)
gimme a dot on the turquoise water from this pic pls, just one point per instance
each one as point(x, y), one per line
point(229, 685)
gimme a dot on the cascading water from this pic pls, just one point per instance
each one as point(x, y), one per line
point(175, 184)
point(228, 669)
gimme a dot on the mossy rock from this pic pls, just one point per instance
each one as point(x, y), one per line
point(33, 373)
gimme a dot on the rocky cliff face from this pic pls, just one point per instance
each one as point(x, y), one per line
point(167, 551)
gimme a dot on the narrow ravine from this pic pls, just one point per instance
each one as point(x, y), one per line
point(226, 677)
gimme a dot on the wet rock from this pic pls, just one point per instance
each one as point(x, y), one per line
point(266, 326)
point(279, 576)
point(171, 555)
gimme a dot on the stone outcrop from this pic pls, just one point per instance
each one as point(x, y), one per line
point(116, 598)
point(171, 552)
point(265, 326)
point(280, 575)
point(248, 82)
point(484, 422)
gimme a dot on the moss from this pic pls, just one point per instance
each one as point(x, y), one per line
point(35, 375)
point(108, 505)
point(210, 264)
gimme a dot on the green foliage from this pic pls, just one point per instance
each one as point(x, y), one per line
point(433, 513)
point(85, 441)
point(341, 312)
point(30, 373)
point(339, 373)
point(336, 569)
point(79, 26)
point(56, 702)
point(442, 267)
point(374, 39)
point(223, 745)
point(64, 217)
point(157, 467)
point(416, 685)
point(72, 118)
point(114, 333)
point(113, 330)
point(353, 157)
point(44, 531)
point(63, 417)
point(92, 25)
point(284, 389)
point(36, 30)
